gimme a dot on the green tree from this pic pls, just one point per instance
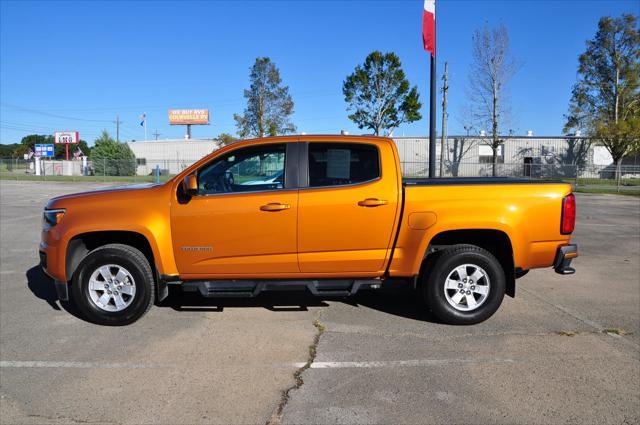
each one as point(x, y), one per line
point(29, 142)
point(605, 101)
point(112, 158)
point(269, 104)
point(9, 150)
point(60, 153)
point(379, 96)
point(226, 139)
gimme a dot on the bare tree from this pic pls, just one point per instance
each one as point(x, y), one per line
point(461, 145)
point(491, 70)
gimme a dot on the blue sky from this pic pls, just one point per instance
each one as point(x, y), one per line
point(76, 65)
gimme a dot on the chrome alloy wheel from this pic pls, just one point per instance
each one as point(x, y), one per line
point(467, 287)
point(112, 288)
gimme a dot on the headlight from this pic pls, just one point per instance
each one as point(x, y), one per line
point(52, 217)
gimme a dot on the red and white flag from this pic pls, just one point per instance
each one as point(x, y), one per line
point(429, 26)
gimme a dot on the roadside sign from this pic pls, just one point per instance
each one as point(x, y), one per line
point(45, 150)
point(188, 116)
point(67, 137)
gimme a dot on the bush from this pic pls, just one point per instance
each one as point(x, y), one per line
point(112, 158)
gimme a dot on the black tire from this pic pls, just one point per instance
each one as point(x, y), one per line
point(434, 278)
point(135, 263)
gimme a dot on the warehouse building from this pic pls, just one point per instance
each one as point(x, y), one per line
point(171, 156)
point(530, 156)
point(527, 156)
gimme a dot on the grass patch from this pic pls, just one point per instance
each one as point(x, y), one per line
point(608, 190)
point(77, 179)
point(567, 333)
point(615, 331)
point(604, 182)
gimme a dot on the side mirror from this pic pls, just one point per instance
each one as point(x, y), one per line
point(190, 185)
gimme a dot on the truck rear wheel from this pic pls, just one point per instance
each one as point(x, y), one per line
point(464, 286)
point(113, 285)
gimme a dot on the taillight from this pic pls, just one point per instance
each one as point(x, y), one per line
point(568, 220)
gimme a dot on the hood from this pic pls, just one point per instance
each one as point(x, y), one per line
point(101, 192)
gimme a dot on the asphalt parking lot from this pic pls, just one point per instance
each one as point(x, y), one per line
point(565, 350)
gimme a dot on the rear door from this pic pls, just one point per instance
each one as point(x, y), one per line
point(347, 211)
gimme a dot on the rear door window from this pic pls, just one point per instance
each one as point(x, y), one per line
point(335, 164)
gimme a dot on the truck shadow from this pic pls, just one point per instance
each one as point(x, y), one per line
point(277, 302)
point(42, 286)
point(398, 300)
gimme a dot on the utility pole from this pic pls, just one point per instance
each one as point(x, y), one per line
point(117, 122)
point(156, 134)
point(445, 88)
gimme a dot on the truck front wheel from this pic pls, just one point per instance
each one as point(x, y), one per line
point(113, 285)
point(464, 286)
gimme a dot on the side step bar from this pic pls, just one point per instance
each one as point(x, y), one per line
point(252, 288)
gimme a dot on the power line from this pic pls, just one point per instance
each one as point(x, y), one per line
point(35, 111)
point(27, 126)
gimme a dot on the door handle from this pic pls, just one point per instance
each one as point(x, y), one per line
point(372, 202)
point(275, 206)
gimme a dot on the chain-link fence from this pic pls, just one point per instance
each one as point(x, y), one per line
point(128, 170)
point(147, 170)
point(584, 176)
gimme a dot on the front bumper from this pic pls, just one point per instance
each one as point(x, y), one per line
point(62, 288)
point(562, 263)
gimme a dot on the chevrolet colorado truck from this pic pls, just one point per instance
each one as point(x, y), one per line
point(327, 214)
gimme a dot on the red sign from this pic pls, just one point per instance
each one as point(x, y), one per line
point(67, 137)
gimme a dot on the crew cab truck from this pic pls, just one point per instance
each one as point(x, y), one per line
point(329, 214)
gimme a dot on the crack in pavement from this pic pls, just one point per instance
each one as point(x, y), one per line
point(276, 417)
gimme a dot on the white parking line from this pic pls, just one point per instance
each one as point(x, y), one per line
point(402, 363)
point(605, 225)
point(80, 365)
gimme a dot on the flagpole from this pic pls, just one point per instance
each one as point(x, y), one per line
point(432, 119)
point(429, 41)
point(145, 126)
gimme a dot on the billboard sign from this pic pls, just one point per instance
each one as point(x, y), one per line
point(188, 116)
point(45, 150)
point(67, 137)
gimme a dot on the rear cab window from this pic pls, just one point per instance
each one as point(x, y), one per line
point(336, 164)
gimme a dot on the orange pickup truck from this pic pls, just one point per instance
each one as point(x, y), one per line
point(328, 214)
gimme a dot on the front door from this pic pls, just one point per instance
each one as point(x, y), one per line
point(242, 222)
point(347, 213)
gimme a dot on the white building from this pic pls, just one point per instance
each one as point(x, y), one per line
point(534, 156)
point(171, 155)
